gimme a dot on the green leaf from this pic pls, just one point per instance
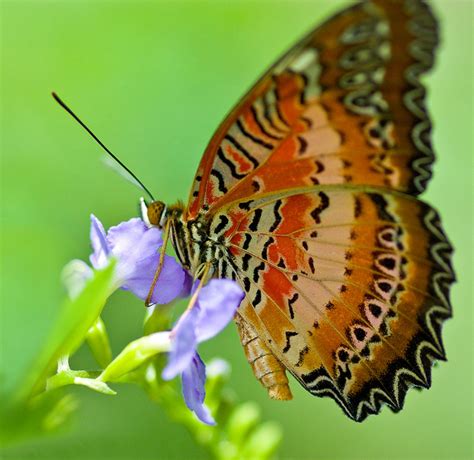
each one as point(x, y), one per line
point(75, 318)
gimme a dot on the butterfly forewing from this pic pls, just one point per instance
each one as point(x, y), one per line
point(344, 106)
point(308, 182)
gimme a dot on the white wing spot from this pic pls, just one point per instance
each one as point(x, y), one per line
point(304, 60)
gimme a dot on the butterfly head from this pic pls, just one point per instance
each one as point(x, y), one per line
point(154, 213)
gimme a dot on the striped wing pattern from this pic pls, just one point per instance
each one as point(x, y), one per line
point(310, 184)
point(345, 105)
point(349, 286)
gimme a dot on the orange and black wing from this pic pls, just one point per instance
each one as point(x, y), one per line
point(344, 106)
point(347, 286)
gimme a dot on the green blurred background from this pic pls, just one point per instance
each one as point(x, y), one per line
point(154, 79)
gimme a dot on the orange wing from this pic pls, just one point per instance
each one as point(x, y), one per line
point(343, 106)
point(348, 287)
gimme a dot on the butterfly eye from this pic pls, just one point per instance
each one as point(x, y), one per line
point(156, 212)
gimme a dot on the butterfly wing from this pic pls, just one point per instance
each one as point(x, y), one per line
point(347, 285)
point(310, 182)
point(344, 106)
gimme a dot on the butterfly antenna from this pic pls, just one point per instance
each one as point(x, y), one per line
point(73, 115)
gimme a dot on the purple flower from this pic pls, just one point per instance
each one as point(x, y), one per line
point(193, 380)
point(213, 310)
point(136, 248)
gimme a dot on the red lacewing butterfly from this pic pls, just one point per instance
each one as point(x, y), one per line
point(307, 197)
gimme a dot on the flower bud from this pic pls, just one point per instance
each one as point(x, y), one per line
point(243, 419)
point(263, 442)
point(98, 341)
point(135, 354)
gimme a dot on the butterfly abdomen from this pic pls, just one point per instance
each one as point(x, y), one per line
point(269, 371)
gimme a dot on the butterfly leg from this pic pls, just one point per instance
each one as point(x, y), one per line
point(148, 302)
point(268, 370)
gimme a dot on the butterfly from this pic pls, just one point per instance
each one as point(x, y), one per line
point(306, 195)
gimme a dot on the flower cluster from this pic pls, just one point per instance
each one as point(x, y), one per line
point(135, 247)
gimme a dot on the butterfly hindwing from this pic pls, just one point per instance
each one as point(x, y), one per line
point(345, 105)
point(348, 286)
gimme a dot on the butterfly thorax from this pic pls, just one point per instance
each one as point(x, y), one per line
point(193, 242)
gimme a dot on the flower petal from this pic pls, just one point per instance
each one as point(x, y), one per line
point(133, 240)
point(218, 301)
point(169, 285)
point(183, 344)
point(136, 247)
point(100, 246)
point(187, 285)
point(193, 381)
